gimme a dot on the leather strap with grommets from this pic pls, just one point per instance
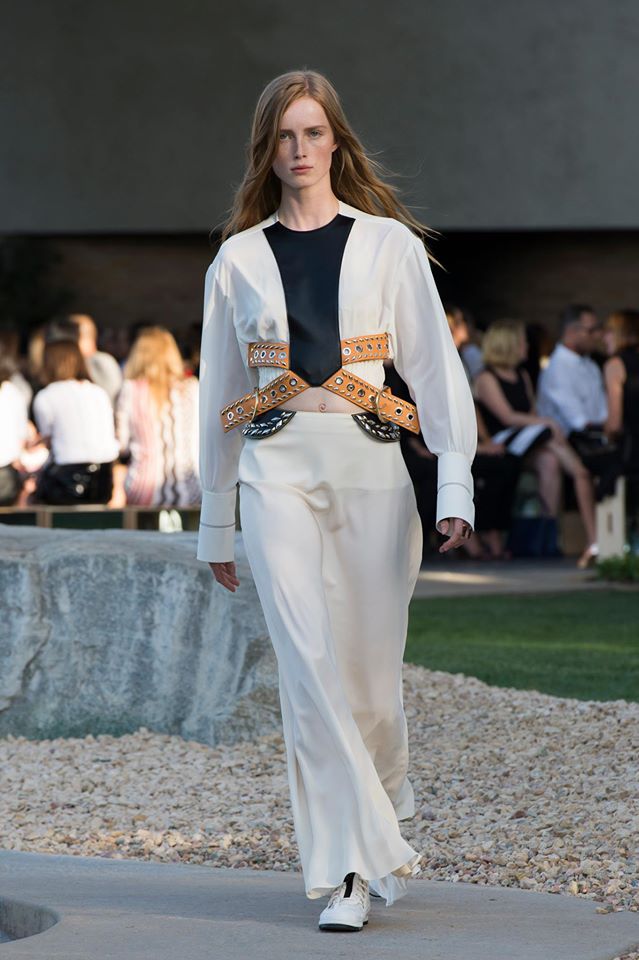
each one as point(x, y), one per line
point(276, 353)
point(385, 405)
point(268, 353)
point(368, 347)
point(248, 407)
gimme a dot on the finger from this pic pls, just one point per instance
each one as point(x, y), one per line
point(224, 573)
point(450, 544)
point(220, 575)
point(225, 582)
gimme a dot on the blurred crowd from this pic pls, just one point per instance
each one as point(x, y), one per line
point(570, 419)
point(118, 424)
point(80, 425)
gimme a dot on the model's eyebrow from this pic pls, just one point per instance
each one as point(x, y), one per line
point(315, 126)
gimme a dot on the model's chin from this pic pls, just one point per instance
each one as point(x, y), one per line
point(304, 178)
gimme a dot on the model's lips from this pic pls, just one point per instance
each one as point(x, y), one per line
point(300, 169)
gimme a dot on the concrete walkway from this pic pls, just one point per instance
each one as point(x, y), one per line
point(455, 576)
point(132, 910)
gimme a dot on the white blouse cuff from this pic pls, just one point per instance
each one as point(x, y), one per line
point(216, 537)
point(455, 489)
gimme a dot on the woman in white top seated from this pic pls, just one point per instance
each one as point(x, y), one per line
point(14, 425)
point(75, 417)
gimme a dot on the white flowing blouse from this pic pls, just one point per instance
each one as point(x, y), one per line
point(386, 286)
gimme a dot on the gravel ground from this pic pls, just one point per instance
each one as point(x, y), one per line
point(514, 788)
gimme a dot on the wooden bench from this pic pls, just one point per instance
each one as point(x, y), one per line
point(131, 517)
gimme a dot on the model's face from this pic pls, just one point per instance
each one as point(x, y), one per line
point(306, 145)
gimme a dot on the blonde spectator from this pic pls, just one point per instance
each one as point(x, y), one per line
point(504, 394)
point(157, 426)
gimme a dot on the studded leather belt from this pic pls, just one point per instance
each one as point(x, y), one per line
point(388, 407)
point(275, 353)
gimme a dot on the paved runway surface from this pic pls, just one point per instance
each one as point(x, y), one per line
point(443, 576)
point(132, 910)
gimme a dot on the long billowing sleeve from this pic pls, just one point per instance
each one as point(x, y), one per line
point(223, 378)
point(427, 360)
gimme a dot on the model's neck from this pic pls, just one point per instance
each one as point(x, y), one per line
point(301, 211)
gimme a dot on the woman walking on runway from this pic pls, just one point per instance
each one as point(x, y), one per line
point(322, 274)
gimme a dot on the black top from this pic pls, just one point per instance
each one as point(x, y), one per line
point(309, 262)
point(629, 356)
point(516, 395)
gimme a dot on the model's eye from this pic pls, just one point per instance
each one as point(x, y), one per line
point(316, 133)
point(283, 134)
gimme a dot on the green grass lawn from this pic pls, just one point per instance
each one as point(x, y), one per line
point(583, 645)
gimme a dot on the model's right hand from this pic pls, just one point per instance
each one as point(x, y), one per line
point(224, 573)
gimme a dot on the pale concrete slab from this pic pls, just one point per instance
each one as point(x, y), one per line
point(442, 576)
point(133, 910)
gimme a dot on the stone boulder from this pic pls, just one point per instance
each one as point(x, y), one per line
point(104, 631)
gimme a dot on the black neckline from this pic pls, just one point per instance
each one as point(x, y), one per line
point(314, 230)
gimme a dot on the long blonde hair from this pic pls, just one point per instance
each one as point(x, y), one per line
point(356, 178)
point(155, 357)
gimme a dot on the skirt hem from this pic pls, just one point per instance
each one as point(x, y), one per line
point(392, 886)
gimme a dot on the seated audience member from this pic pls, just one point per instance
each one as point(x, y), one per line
point(10, 349)
point(571, 388)
point(75, 418)
point(103, 368)
point(157, 426)
point(14, 424)
point(465, 338)
point(621, 374)
point(505, 398)
point(495, 474)
point(35, 357)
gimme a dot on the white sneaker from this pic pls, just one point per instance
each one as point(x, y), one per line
point(348, 906)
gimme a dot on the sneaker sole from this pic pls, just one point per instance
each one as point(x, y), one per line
point(343, 927)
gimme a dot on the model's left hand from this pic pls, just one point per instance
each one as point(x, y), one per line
point(457, 531)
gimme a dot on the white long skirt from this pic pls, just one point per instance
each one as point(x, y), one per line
point(334, 542)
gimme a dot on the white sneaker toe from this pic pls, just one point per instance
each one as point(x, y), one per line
point(348, 906)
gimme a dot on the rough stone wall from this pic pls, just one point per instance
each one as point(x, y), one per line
point(105, 631)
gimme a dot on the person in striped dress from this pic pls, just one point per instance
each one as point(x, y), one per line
point(156, 418)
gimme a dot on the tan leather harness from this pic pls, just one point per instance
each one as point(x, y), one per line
point(276, 354)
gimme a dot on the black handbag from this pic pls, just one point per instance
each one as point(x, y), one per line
point(592, 446)
point(65, 484)
point(603, 458)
